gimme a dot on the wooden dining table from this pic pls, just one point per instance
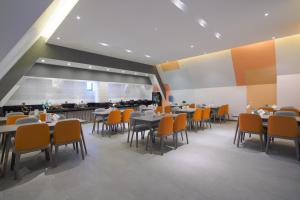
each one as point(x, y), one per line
point(9, 131)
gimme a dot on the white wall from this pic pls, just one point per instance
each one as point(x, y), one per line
point(288, 90)
point(236, 97)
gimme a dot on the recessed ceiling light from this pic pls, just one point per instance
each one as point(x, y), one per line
point(202, 23)
point(218, 35)
point(128, 50)
point(179, 4)
point(148, 56)
point(266, 14)
point(58, 38)
point(192, 46)
point(104, 44)
point(107, 69)
point(43, 60)
point(123, 71)
point(68, 63)
point(90, 66)
point(78, 17)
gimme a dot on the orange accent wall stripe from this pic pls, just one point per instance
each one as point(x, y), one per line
point(255, 64)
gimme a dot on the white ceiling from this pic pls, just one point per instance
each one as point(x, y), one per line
point(160, 29)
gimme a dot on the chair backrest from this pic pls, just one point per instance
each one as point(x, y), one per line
point(192, 105)
point(165, 127)
point(42, 117)
point(206, 113)
point(250, 123)
point(32, 136)
point(296, 111)
point(221, 110)
point(283, 126)
point(114, 117)
point(27, 120)
point(14, 113)
point(226, 109)
point(158, 109)
point(285, 113)
point(180, 122)
point(66, 131)
point(11, 119)
point(126, 115)
point(197, 116)
point(168, 109)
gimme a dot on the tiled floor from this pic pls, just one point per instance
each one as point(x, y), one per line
point(209, 168)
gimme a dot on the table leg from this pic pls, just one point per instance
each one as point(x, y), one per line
point(236, 131)
point(83, 140)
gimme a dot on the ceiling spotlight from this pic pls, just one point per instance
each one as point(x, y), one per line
point(266, 14)
point(58, 38)
point(218, 35)
point(128, 50)
point(135, 73)
point(202, 23)
point(90, 66)
point(179, 4)
point(123, 71)
point(69, 64)
point(192, 46)
point(104, 44)
point(147, 56)
point(78, 17)
point(42, 60)
point(107, 69)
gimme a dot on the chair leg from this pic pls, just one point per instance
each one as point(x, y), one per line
point(238, 140)
point(137, 139)
point(18, 157)
point(128, 135)
point(81, 149)
point(76, 144)
point(131, 138)
point(55, 155)
point(297, 149)
point(3, 149)
point(181, 136)
point(74, 148)
point(13, 159)
point(186, 135)
point(147, 142)
point(261, 142)
point(161, 145)
point(268, 144)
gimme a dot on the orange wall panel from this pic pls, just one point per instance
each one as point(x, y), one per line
point(169, 66)
point(260, 95)
point(255, 59)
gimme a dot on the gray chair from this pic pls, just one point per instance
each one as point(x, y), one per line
point(14, 113)
point(136, 128)
point(98, 119)
point(285, 113)
point(27, 120)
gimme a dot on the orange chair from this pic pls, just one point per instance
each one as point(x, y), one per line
point(165, 129)
point(168, 109)
point(283, 127)
point(13, 118)
point(179, 126)
point(226, 111)
point(126, 118)
point(206, 116)
point(158, 109)
point(29, 138)
point(296, 111)
point(67, 132)
point(113, 120)
point(197, 118)
point(250, 123)
point(192, 105)
point(43, 117)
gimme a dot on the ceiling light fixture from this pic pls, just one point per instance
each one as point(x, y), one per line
point(123, 71)
point(179, 4)
point(147, 56)
point(192, 46)
point(104, 44)
point(69, 64)
point(266, 14)
point(58, 38)
point(107, 69)
point(90, 66)
point(218, 35)
point(128, 50)
point(78, 17)
point(202, 23)
point(43, 60)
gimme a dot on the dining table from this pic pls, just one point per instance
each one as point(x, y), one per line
point(151, 121)
point(8, 131)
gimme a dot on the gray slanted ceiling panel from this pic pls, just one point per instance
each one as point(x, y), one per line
point(54, 71)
